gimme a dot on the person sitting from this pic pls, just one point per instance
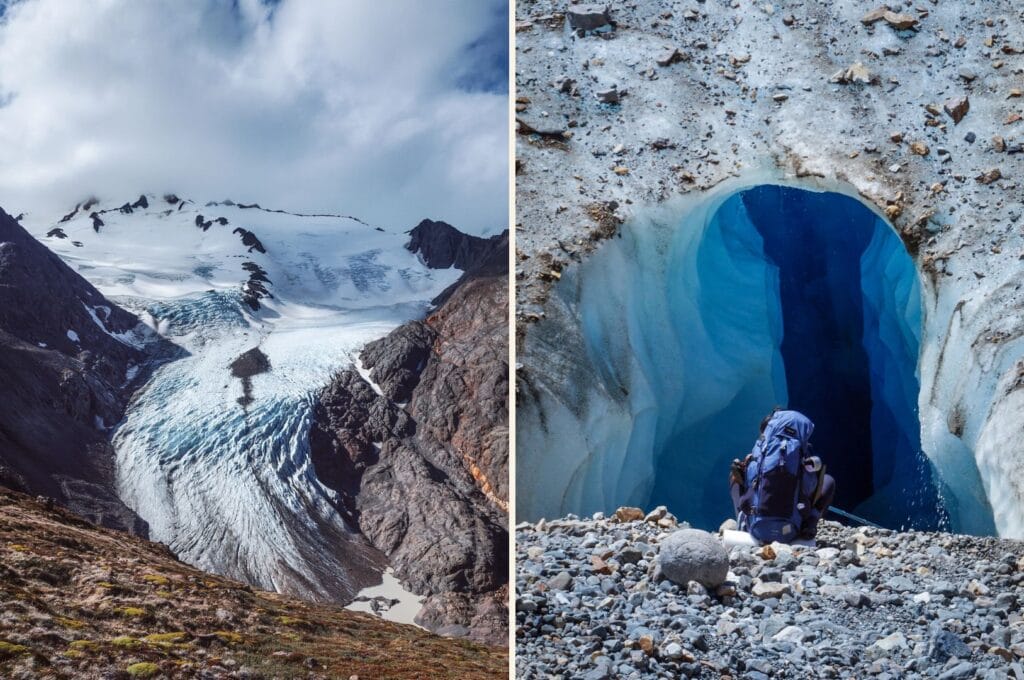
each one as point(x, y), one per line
point(779, 491)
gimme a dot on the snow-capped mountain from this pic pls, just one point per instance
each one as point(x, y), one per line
point(266, 305)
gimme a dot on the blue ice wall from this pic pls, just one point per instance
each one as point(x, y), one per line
point(841, 307)
point(851, 309)
point(907, 492)
point(722, 297)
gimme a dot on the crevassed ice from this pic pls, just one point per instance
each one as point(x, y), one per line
point(232, 489)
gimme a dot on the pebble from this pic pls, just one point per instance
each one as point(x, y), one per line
point(610, 95)
point(957, 107)
point(588, 17)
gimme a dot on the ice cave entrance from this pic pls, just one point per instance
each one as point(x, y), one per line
point(807, 300)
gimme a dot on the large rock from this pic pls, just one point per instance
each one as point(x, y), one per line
point(442, 246)
point(957, 107)
point(588, 17)
point(945, 644)
point(395, 361)
point(694, 555)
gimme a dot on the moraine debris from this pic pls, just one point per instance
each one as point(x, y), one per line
point(588, 17)
point(856, 73)
point(989, 176)
point(900, 22)
point(609, 95)
point(957, 107)
point(670, 56)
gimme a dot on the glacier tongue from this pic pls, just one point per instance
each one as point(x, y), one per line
point(230, 488)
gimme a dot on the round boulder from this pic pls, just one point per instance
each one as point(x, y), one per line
point(693, 555)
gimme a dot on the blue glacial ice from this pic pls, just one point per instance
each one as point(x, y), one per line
point(232, 489)
point(697, 322)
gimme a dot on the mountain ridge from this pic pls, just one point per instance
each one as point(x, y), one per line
point(71, 359)
point(417, 442)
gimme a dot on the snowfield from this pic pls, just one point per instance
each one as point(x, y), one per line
point(231, 488)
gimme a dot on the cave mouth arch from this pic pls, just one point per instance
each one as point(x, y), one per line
point(660, 353)
point(813, 303)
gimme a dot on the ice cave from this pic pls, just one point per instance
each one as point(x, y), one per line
point(696, 324)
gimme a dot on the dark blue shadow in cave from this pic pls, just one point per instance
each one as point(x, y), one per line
point(816, 240)
point(849, 302)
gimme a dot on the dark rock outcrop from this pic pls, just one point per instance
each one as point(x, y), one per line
point(66, 379)
point(255, 289)
point(490, 261)
point(399, 358)
point(67, 218)
point(422, 466)
point(249, 239)
point(442, 246)
point(248, 364)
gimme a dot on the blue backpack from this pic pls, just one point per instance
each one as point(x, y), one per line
point(775, 475)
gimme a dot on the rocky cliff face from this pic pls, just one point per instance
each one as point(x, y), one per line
point(69, 360)
point(78, 601)
point(442, 246)
point(419, 451)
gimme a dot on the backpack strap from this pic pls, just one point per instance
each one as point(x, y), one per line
point(819, 487)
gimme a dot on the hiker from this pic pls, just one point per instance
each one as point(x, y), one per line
point(780, 491)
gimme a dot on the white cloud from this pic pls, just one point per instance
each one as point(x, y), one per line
point(321, 105)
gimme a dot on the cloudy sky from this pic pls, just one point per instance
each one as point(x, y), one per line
point(391, 110)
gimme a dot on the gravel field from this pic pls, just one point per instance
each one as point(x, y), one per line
point(592, 602)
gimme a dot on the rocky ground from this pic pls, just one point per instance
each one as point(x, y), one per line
point(592, 602)
point(78, 601)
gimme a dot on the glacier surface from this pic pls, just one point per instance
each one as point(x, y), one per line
point(231, 488)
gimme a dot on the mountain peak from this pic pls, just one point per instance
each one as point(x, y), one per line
point(442, 246)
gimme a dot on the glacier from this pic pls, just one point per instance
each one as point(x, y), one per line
point(665, 348)
point(230, 487)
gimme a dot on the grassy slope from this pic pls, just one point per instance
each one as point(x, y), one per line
point(78, 600)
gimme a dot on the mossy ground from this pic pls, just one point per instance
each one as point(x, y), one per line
point(80, 601)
